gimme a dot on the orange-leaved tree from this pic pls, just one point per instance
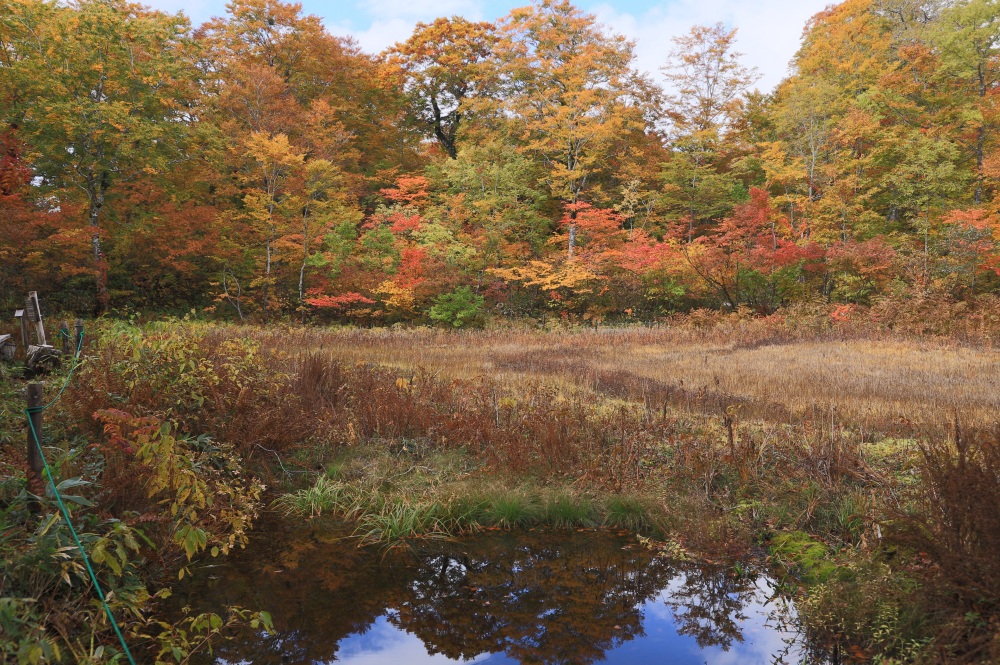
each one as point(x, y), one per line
point(571, 97)
point(101, 92)
point(443, 67)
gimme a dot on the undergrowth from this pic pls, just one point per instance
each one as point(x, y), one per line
point(172, 430)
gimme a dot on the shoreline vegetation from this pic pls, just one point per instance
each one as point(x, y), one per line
point(860, 462)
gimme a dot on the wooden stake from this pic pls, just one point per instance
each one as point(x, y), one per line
point(36, 485)
point(64, 334)
point(78, 337)
point(22, 317)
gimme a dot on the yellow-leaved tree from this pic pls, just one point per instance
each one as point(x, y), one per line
point(271, 161)
point(572, 97)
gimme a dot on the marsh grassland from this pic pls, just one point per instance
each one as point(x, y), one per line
point(861, 465)
point(840, 455)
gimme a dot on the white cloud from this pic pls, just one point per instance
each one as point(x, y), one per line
point(393, 21)
point(378, 36)
point(769, 30)
point(767, 627)
point(421, 9)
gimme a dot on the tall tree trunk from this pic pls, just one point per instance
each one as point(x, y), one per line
point(267, 273)
point(265, 294)
point(980, 143)
point(96, 196)
point(980, 139)
point(445, 138)
point(305, 258)
point(927, 235)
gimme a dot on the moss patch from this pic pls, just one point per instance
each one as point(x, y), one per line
point(807, 557)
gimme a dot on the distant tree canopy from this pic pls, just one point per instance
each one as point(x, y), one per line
point(259, 167)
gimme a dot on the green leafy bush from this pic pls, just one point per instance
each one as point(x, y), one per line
point(458, 308)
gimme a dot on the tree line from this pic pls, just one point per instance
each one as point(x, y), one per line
point(260, 168)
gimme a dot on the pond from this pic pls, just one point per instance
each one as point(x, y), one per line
point(547, 596)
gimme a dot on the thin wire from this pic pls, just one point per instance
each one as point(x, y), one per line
point(62, 506)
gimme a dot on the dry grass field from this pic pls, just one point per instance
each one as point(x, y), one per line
point(874, 384)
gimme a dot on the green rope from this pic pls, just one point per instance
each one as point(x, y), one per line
point(62, 506)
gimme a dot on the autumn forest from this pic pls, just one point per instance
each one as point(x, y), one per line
point(733, 348)
point(258, 168)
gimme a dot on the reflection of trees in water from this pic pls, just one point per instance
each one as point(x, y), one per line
point(317, 592)
point(708, 605)
point(541, 597)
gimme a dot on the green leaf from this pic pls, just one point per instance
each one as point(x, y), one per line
point(71, 483)
point(79, 500)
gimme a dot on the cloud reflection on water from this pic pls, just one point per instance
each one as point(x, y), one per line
point(544, 597)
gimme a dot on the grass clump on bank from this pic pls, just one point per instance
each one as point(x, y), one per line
point(391, 497)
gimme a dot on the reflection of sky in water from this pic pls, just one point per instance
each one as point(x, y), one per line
point(384, 643)
point(767, 638)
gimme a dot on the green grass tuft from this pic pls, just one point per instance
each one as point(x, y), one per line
point(510, 510)
point(565, 510)
point(401, 520)
point(325, 495)
point(626, 512)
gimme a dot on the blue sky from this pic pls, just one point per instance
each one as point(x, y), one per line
point(769, 30)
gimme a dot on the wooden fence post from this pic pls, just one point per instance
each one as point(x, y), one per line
point(78, 337)
point(64, 333)
point(36, 485)
point(25, 340)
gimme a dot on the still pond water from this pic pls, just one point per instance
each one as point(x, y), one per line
point(524, 597)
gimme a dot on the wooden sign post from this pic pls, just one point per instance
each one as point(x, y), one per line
point(40, 356)
point(25, 341)
point(7, 348)
point(33, 312)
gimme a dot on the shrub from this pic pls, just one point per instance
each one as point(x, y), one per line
point(48, 612)
point(958, 524)
point(458, 308)
point(209, 502)
point(204, 380)
point(953, 523)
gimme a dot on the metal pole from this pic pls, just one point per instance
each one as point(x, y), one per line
point(35, 484)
